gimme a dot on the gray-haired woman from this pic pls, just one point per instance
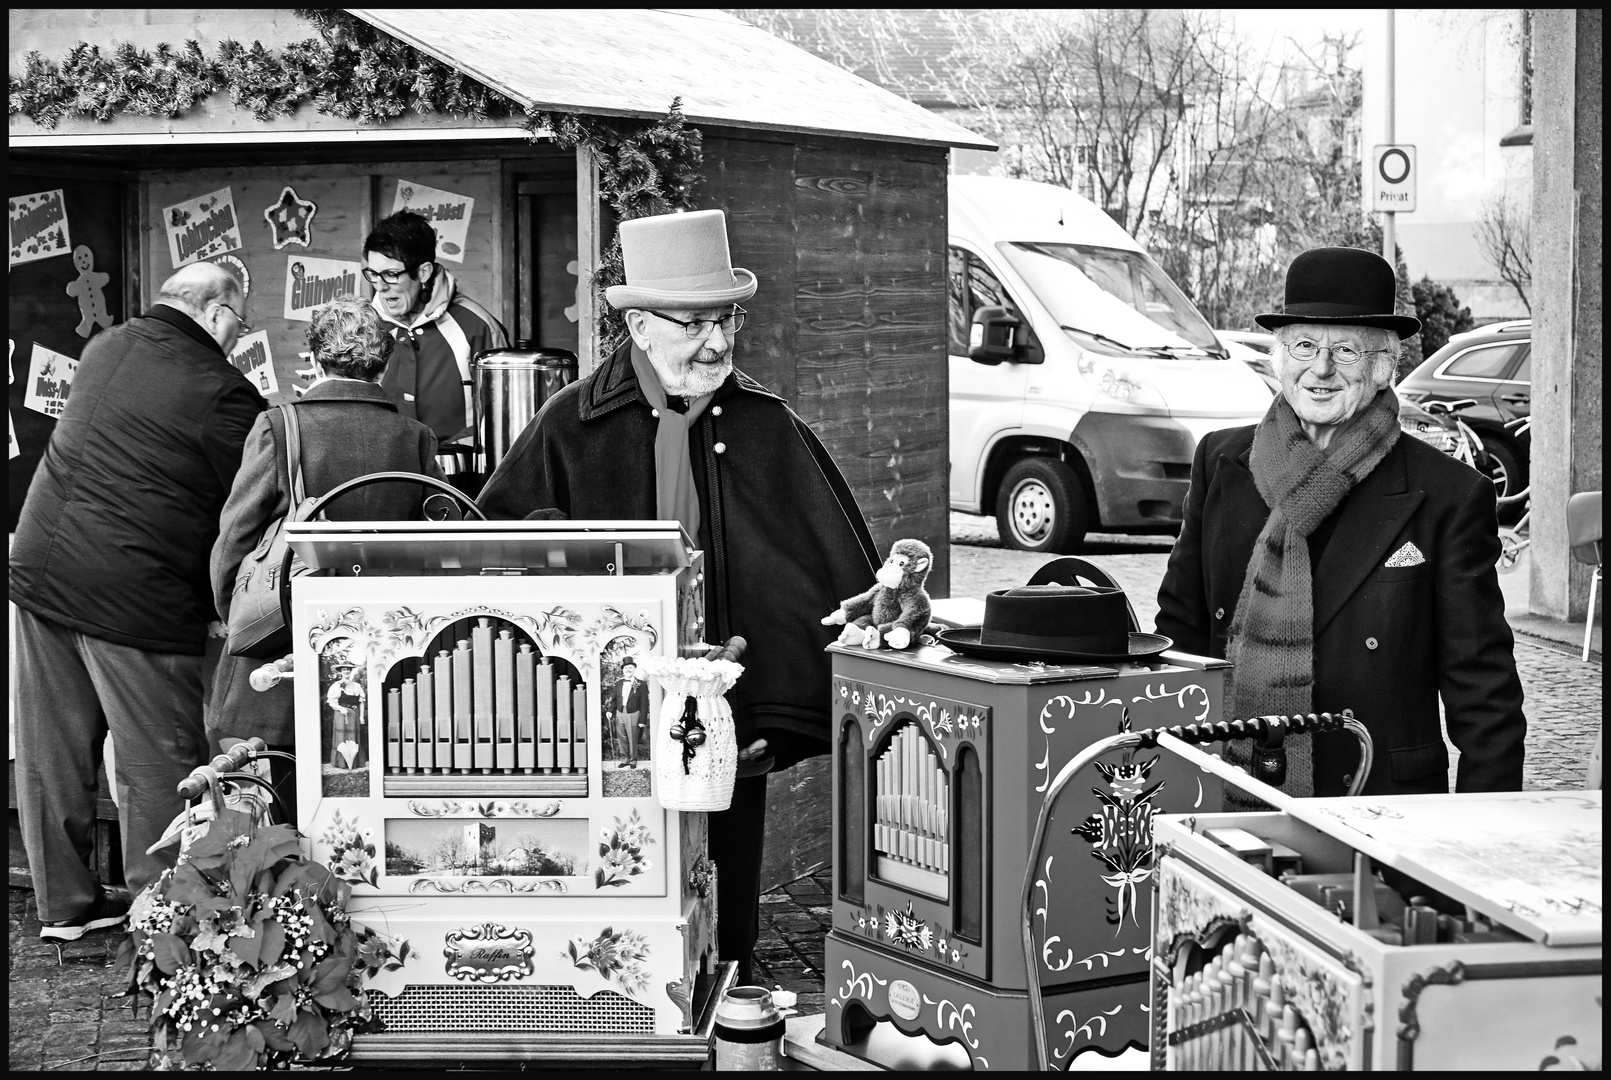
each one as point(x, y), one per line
point(349, 427)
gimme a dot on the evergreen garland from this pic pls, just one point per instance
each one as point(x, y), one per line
point(355, 72)
point(647, 168)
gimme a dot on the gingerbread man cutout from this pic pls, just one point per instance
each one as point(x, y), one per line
point(89, 288)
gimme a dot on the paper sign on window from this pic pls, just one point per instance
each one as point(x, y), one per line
point(312, 283)
point(449, 215)
point(254, 360)
point(50, 380)
point(38, 226)
point(202, 227)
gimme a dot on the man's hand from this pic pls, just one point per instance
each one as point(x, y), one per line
point(755, 751)
point(731, 651)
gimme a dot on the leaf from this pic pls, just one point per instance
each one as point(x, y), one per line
point(241, 1051)
point(284, 1010)
point(202, 1043)
point(310, 1033)
point(171, 953)
point(273, 942)
point(330, 973)
point(189, 886)
point(273, 1037)
point(248, 946)
point(340, 999)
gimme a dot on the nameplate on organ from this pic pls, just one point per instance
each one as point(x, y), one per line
point(912, 816)
point(490, 713)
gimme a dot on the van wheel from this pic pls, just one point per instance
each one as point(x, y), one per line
point(1041, 507)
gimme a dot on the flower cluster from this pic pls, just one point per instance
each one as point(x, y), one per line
point(248, 954)
point(619, 956)
point(352, 851)
point(621, 851)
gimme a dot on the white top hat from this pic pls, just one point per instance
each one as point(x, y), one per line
point(679, 261)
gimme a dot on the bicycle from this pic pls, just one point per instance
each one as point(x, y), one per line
point(1514, 539)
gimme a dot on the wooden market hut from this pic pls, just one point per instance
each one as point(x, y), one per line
point(835, 192)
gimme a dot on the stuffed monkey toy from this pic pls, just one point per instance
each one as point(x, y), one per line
point(894, 611)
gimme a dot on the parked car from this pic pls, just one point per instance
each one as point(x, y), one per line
point(1081, 376)
point(1491, 366)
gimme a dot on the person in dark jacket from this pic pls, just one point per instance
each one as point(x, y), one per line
point(438, 329)
point(109, 571)
point(667, 429)
point(349, 427)
point(1340, 566)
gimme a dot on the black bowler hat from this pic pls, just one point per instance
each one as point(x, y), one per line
point(1057, 623)
point(1341, 285)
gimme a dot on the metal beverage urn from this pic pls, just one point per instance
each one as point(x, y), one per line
point(510, 386)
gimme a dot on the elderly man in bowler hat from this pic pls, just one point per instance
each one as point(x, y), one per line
point(1340, 566)
point(667, 429)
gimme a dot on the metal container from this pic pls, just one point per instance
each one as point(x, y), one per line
point(749, 1031)
point(510, 385)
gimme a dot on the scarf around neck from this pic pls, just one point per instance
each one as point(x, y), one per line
point(676, 498)
point(1271, 647)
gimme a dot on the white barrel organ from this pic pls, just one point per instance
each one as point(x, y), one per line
point(467, 762)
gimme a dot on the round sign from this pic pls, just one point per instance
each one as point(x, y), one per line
point(1394, 161)
point(904, 1000)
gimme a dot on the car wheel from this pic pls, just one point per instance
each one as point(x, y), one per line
point(1042, 507)
point(1507, 476)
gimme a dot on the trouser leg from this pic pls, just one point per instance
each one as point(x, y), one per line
point(737, 836)
point(153, 708)
point(632, 736)
point(60, 728)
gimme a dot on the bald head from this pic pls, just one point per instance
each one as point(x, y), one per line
point(210, 295)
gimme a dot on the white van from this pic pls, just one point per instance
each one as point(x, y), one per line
point(1081, 376)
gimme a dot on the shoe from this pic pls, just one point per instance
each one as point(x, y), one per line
point(105, 912)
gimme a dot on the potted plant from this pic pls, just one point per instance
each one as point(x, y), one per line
point(249, 955)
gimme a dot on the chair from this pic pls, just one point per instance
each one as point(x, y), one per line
point(1583, 536)
point(1072, 571)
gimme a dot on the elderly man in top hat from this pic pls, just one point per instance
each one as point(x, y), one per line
point(1340, 566)
point(667, 429)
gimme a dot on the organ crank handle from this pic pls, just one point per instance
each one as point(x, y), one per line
point(270, 675)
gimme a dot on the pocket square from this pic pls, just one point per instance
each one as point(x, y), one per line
point(1408, 555)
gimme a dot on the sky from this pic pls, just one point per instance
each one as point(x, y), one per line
point(1272, 28)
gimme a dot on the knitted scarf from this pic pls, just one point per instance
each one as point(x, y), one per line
point(676, 498)
point(1271, 646)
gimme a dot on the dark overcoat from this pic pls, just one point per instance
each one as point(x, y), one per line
point(114, 536)
point(783, 538)
point(1389, 640)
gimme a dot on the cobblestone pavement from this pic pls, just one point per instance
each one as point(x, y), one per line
point(70, 1017)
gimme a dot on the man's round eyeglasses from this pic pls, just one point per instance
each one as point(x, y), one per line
point(698, 328)
point(246, 327)
point(1342, 355)
point(390, 277)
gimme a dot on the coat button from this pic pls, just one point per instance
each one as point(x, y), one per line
point(654, 412)
point(715, 410)
point(720, 448)
point(1348, 779)
point(1370, 643)
point(1220, 613)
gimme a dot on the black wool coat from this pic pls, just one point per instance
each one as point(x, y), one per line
point(1389, 641)
point(783, 538)
point(114, 537)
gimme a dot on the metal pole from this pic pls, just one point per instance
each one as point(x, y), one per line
point(1389, 233)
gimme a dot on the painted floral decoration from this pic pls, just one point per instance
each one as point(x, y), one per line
point(621, 851)
point(619, 956)
point(352, 851)
point(248, 955)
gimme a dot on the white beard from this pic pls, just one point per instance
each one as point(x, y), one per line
point(697, 380)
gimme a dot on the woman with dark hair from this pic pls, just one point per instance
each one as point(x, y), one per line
point(348, 428)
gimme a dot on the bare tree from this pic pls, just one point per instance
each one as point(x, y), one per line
point(1505, 234)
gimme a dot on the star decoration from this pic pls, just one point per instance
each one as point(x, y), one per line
point(291, 219)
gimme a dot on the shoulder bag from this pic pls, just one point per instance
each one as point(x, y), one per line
point(257, 626)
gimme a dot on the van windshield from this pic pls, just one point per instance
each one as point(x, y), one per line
point(1063, 277)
